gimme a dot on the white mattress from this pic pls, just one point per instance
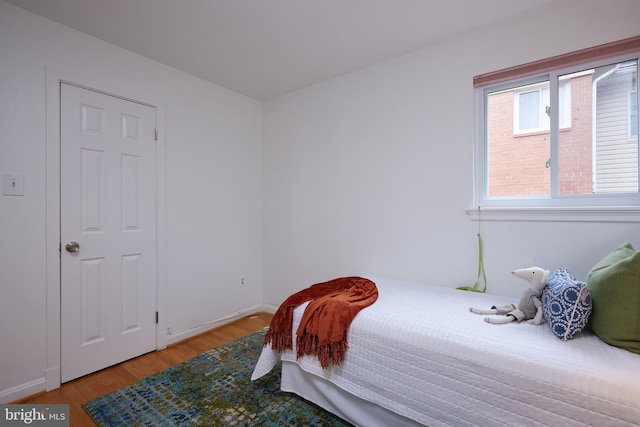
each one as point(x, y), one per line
point(420, 353)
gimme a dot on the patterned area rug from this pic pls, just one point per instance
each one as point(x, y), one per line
point(213, 389)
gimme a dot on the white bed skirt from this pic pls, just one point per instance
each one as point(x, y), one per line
point(357, 411)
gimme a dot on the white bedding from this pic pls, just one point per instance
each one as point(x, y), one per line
point(420, 353)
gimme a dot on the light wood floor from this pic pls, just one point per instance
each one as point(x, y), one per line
point(110, 379)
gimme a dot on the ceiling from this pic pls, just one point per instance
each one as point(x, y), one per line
point(267, 48)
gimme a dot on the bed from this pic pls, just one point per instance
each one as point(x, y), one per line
point(419, 357)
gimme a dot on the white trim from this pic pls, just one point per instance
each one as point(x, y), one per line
point(21, 391)
point(52, 377)
point(557, 214)
point(192, 332)
point(52, 245)
point(52, 86)
point(269, 308)
point(633, 94)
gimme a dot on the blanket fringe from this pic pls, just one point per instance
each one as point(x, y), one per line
point(328, 354)
point(279, 341)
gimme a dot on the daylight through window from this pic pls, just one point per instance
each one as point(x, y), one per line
point(568, 137)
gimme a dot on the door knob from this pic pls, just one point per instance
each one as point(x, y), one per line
point(72, 247)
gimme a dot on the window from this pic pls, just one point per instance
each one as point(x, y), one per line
point(567, 136)
point(531, 107)
point(529, 113)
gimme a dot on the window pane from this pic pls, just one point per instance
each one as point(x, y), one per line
point(529, 111)
point(516, 162)
point(598, 157)
point(564, 94)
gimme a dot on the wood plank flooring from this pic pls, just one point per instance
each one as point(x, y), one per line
point(110, 379)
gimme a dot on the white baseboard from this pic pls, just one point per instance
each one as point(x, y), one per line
point(269, 308)
point(174, 337)
point(20, 391)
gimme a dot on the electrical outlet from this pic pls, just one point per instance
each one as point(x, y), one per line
point(242, 281)
point(12, 184)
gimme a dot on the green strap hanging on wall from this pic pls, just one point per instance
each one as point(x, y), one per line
point(482, 276)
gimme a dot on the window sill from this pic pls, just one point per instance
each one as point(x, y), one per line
point(558, 214)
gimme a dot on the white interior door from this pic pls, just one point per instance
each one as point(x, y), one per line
point(108, 207)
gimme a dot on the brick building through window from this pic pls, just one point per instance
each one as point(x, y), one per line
point(598, 143)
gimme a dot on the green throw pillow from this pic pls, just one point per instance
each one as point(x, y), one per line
point(614, 285)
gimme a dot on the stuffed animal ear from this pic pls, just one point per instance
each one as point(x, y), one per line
point(545, 276)
point(528, 263)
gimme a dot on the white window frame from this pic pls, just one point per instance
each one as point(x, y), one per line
point(633, 95)
point(590, 207)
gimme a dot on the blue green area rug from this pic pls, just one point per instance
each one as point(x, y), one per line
point(213, 389)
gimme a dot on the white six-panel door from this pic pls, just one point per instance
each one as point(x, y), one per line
point(108, 207)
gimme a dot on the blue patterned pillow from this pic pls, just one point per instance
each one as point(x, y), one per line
point(566, 303)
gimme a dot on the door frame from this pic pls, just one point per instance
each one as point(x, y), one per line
point(53, 78)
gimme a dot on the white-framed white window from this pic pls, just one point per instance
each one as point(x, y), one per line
point(561, 138)
point(531, 107)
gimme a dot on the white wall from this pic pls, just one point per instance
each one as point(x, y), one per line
point(371, 173)
point(213, 173)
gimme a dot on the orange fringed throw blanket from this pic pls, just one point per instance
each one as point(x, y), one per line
point(323, 328)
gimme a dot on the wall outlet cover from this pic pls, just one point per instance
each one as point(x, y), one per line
point(12, 184)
